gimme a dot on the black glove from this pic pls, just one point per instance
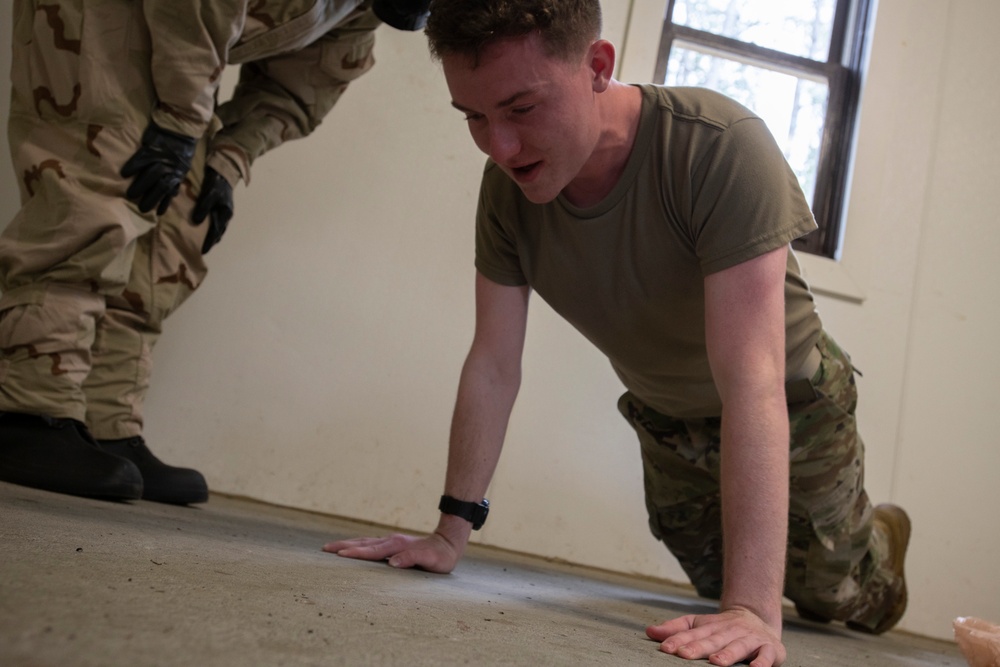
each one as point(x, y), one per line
point(403, 14)
point(159, 167)
point(215, 202)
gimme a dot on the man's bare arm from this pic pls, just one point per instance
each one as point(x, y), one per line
point(745, 334)
point(491, 377)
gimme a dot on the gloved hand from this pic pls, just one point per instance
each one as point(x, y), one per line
point(216, 203)
point(159, 167)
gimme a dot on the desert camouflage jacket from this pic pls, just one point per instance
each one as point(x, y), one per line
point(296, 57)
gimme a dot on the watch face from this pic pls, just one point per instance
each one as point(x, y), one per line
point(480, 515)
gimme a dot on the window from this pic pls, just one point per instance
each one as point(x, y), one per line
point(796, 63)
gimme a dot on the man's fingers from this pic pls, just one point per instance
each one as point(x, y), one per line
point(700, 642)
point(367, 548)
point(423, 558)
point(339, 545)
point(724, 639)
point(410, 558)
point(723, 648)
point(403, 551)
point(768, 656)
point(669, 628)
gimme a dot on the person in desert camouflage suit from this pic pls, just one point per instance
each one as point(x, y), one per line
point(121, 156)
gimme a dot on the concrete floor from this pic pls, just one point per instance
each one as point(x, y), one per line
point(86, 582)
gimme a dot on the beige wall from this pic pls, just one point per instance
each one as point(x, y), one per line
point(318, 365)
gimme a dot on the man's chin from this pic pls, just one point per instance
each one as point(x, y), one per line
point(537, 195)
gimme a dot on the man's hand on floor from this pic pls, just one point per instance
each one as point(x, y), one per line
point(724, 639)
point(434, 553)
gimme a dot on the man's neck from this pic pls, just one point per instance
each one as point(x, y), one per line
point(621, 109)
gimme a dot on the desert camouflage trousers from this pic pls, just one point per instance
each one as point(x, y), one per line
point(836, 558)
point(86, 279)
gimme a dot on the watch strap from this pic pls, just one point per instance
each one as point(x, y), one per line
point(474, 513)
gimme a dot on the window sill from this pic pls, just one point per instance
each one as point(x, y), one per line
point(829, 278)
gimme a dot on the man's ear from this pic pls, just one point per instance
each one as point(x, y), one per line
point(601, 57)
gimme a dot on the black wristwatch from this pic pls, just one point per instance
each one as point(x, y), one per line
point(474, 513)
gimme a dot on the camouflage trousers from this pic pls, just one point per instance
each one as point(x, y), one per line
point(86, 279)
point(836, 559)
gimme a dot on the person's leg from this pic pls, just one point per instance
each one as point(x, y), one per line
point(45, 338)
point(680, 460)
point(845, 561)
point(166, 270)
point(167, 267)
point(46, 332)
point(71, 244)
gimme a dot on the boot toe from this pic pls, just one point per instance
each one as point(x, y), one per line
point(162, 483)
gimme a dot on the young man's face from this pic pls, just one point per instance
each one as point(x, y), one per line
point(533, 114)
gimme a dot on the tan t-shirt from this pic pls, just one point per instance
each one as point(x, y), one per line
point(705, 188)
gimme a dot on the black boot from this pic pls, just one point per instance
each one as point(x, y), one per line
point(60, 455)
point(161, 483)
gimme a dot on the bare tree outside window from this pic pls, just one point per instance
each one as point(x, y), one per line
point(796, 63)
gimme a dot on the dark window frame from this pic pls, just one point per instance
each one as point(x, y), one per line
point(842, 71)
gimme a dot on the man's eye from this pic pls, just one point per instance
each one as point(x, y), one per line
point(523, 110)
point(472, 117)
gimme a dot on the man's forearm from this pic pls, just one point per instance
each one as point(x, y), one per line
point(755, 505)
point(189, 41)
point(486, 396)
point(490, 380)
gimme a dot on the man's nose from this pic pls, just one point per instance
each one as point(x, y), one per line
point(504, 142)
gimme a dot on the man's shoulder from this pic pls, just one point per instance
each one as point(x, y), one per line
point(700, 105)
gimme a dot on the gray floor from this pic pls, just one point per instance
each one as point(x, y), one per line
point(85, 582)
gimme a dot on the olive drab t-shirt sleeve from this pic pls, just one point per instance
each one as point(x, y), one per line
point(740, 178)
point(497, 250)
